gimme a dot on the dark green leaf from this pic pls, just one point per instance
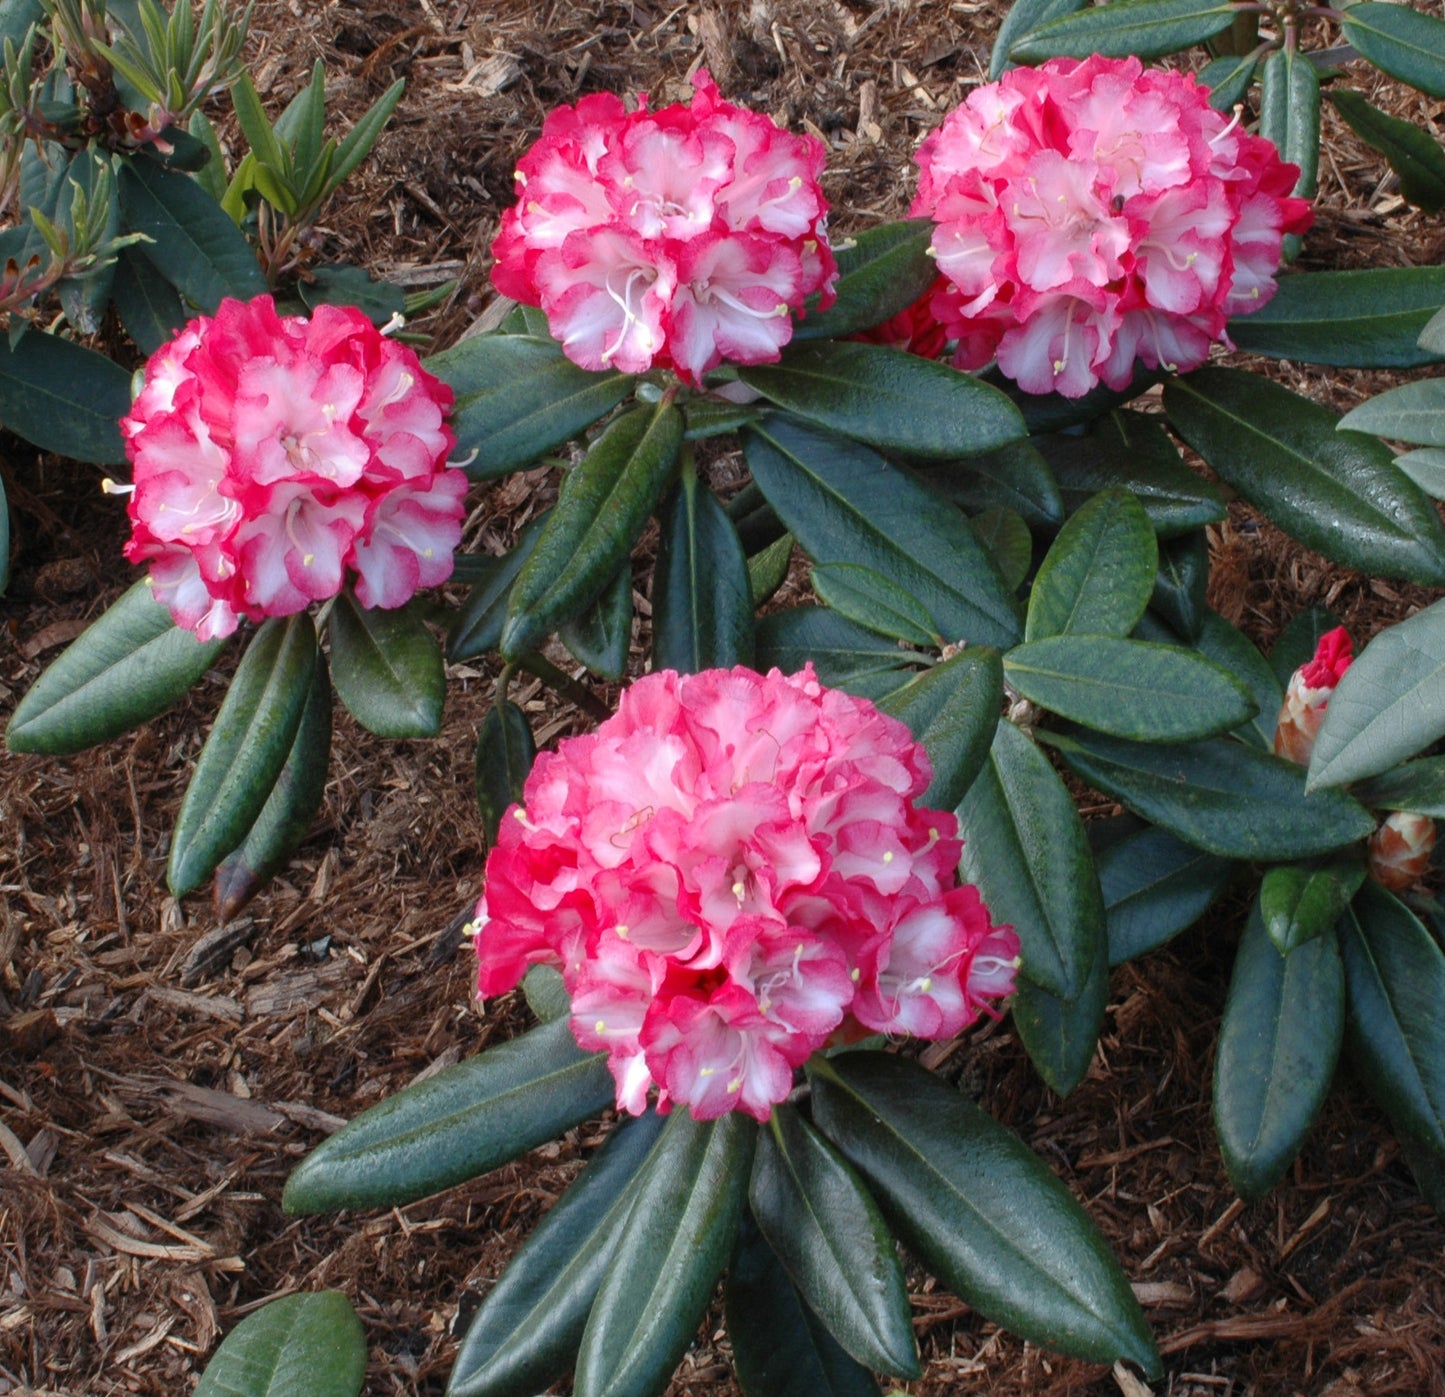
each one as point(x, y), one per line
point(545, 991)
point(1413, 412)
point(300, 1343)
point(1182, 582)
point(1417, 786)
point(526, 1332)
point(846, 504)
point(517, 398)
point(388, 668)
point(4, 539)
point(16, 16)
point(1283, 1024)
point(1228, 79)
point(63, 398)
point(1147, 28)
point(149, 306)
point(1336, 492)
point(1060, 1035)
point(889, 398)
point(1025, 848)
point(1233, 651)
point(343, 285)
point(871, 600)
point(975, 1204)
point(702, 601)
point(505, 753)
point(132, 663)
point(1022, 18)
point(84, 298)
point(672, 1250)
point(880, 273)
point(1014, 477)
point(454, 1125)
point(362, 137)
point(832, 1241)
point(1130, 688)
point(1403, 42)
point(1218, 795)
point(1297, 644)
point(248, 746)
point(1289, 115)
point(1412, 154)
point(286, 817)
point(1052, 412)
point(603, 506)
point(1367, 319)
point(602, 635)
point(714, 417)
point(478, 627)
point(1300, 901)
point(839, 651)
point(1008, 541)
point(1097, 577)
point(1389, 705)
point(768, 569)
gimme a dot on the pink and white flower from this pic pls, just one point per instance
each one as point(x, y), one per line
point(278, 457)
point(1091, 213)
point(729, 873)
point(671, 239)
point(1308, 695)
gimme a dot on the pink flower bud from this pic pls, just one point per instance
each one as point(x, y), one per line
point(1308, 695)
point(1399, 851)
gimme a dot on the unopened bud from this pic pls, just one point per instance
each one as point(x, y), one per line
point(1308, 695)
point(1399, 851)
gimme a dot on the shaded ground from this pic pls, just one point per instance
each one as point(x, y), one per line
point(153, 1097)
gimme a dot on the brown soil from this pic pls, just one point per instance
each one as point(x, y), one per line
point(159, 1075)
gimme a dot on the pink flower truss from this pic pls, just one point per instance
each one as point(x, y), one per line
point(676, 238)
point(1308, 695)
point(1091, 213)
point(729, 872)
point(277, 457)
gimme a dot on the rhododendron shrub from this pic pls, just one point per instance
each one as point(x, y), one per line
point(729, 873)
point(1091, 213)
point(675, 238)
point(277, 458)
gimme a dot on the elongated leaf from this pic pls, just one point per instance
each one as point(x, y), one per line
point(527, 1330)
point(340, 284)
point(16, 16)
point(871, 600)
point(768, 569)
point(1181, 585)
point(1416, 157)
point(889, 398)
point(1360, 319)
point(1403, 42)
point(129, 665)
point(1154, 886)
point(1228, 79)
point(292, 805)
point(780, 1347)
point(1097, 577)
point(846, 504)
point(604, 503)
point(478, 626)
point(1389, 705)
point(1060, 1035)
point(1413, 412)
point(880, 272)
point(1417, 786)
point(63, 397)
point(1336, 492)
point(506, 750)
point(975, 1204)
point(388, 669)
point(1426, 467)
point(362, 137)
point(300, 1343)
point(1023, 18)
point(676, 1242)
point(1149, 693)
point(1300, 901)
point(602, 635)
point(839, 651)
point(518, 398)
point(1232, 650)
point(1289, 115)
point(1218, 795)
point(952, 709)
point(1283, 1024)
point(194, 244)
point(1009, 543)
point(1025, 848)
point(149, 306)
point(84, 298)
point(461, 1122)
point(832, 1241)
point(702, 601)
point(1148, 28)
point(243, 757)
point(1015, 477)
point(1395, 983)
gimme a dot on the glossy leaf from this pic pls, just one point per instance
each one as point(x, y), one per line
point(526, 1332)
point(839, 651)
point(1181, 584)
point(1300, 901)
point(1402, 42)
point(286, 817)
point(1417, 786)
point(1412, 154)
point(599, 515)
point(62, 397)
point(150, 308)
point(132, 663)
point(602, 635)
point(1022, 18)
point(1289, 115)
point(870, 599)
point(1283, 1023)
point(1389, 705)
point(1061, 1035)
point(702, 601)
point(1426, 467)
point(478, 626)
point(1015, 477)
point(1362, 319)
point(518, 398)
point(1146, 28)
point(1009, 543)
point(1025, 848)
point(1230, 649)
point(846, 504)
point(673, 1248)
point(768, 569)
point(1097, 577)
point(831, 1239)
point(311, 1343)
point(1228, 79)
point(1413, 412)
point(979, 1208)
point(888, 398)
point(880, 272)
point(388, 668)
point(454, 1125)
point(1218, 795)
point(506, 750)
point(339, 284)
point(1336, 492)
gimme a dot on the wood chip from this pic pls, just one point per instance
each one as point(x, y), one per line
point(19, 1156)
point(120, 1241)
point(219, 1108)
point(214, 950)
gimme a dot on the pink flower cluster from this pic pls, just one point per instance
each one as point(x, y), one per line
point(276, 456)
point(729, 872)
point(675, 238)
point(1090, 213)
